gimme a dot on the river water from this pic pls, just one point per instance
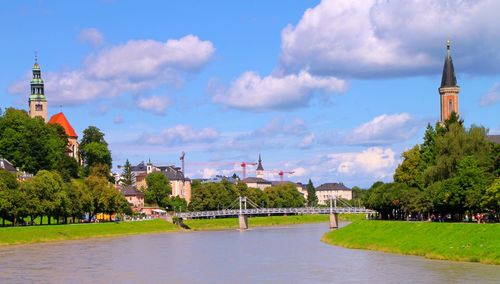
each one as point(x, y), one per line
point(261, 255)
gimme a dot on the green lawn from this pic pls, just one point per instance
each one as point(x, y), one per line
point(35, 234)
point(232, 223)
point(451, 241)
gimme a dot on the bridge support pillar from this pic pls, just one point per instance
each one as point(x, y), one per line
point(243, 221)
point(334, 221)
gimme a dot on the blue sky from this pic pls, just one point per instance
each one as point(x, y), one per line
point(332, 90)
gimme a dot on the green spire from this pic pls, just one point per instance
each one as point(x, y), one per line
point(37, 86)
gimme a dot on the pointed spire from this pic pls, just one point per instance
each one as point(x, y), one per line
point(259, 166)
point(448, 79)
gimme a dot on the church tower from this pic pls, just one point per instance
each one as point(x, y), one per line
point(259, 172)
point(37, 100)
point(449, 90)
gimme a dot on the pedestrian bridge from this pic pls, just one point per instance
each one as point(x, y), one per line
point(273, 211)
point(243, 212)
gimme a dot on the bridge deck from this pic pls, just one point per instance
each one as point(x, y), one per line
point(271, 211)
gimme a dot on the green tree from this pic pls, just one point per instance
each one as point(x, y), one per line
point(491, 198)
point(158, 189)
point(409, 171)
point(94, 148)
point(127, 174)
point(284, 196)
point(312, 199)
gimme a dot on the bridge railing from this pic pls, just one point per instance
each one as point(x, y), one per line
point(266, 211)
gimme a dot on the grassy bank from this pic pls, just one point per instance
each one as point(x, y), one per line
point(449, 241)
point(36, 234)
point(232, 223)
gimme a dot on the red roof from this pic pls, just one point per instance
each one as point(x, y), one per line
point(60, 119)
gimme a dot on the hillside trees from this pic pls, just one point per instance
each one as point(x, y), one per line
point(449, 173)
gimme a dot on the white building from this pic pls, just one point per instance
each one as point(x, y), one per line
point(336, 190)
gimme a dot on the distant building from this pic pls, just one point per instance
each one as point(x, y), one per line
point(337, 190)
point(7, 166)
point(493, 138)
point(257, 182)
point(220, 178)
point(448, 91)
point(38, 107)
point(181, 186)
point(135, 198)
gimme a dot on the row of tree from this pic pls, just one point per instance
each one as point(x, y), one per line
point(48, 195)
point(218, 196)
point(454, 172)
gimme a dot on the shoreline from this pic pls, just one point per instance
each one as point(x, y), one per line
point(441, 241)
point(14, 236)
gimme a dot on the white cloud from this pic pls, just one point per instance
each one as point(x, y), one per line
point(119, 119)
point(155, 104)
point(138, 65)
point(377, 162)
point(492, 97)
point(392, 38)
point(209, 172)
point(253, 92)
point(92, 36)
point(181, 135)
point(383, 129)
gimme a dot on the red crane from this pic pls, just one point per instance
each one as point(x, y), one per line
point(282, 173)
point(244, 168)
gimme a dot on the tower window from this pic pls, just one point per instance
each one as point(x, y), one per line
point(38, 107)
point(450, 106)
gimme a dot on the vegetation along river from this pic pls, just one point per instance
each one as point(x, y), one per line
point(261, 255)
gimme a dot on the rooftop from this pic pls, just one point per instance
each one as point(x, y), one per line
point(332, 186)
point(60, 118)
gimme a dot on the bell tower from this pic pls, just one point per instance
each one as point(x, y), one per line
point(449, 90)
point(37, 100)
point(259, 172)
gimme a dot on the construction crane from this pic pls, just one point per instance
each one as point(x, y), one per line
point(282, 174)
point(182, 157)
point(244, 167)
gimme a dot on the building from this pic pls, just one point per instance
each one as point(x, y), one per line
point(61, 119)
point(181, 186)
point(259, 172)
point(134, 197)
point(257, 182)
point(38, 107)
point(37, 101)
point(336, 190)
point(449, 89)
point(7, 166)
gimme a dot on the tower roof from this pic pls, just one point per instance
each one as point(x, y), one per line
point(259, 167)
point(448, 79)
point(60, 118)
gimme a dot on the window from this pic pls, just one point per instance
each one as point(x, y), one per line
point(450, 106)
point(38, 107)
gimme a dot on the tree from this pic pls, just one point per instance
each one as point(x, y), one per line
point(94, 149)
point(127, 174)
point(284, 196)
point(409, 171)
point(312, 199)
point(30, 143)
point(158, 189)
point(491, 198)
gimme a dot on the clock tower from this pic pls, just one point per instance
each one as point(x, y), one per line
point(449, 90)
point(37, 100)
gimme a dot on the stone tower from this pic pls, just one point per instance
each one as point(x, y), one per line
point(37, 101)
point(449, 90)
point(259, 172)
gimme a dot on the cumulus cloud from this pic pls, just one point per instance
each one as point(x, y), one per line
point(491, 97)
point(383, 129)
point(392, 38)
point(92, 36)
point(155, 104)
point(252, 92)
point(377, 162)
point(181, 135)
point(138, 65)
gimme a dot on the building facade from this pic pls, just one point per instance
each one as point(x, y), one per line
point(332, 190)
point(448, 91)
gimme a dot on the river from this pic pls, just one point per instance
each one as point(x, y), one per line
point(260, 255)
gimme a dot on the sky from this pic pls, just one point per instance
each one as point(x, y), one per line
point(332, 90)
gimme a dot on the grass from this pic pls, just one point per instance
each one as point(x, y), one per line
point(448, 241)
point(36, 234)
point(232, 223)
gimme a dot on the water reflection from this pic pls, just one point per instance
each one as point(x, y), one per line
point(262, 255)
